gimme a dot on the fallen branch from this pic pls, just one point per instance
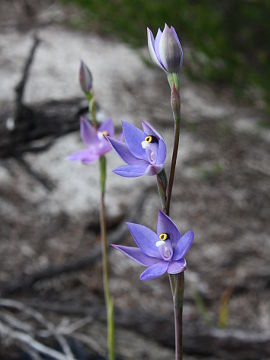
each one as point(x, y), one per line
point(24, 338)
point(25, 74)
point(26, 310)
point(198, 341)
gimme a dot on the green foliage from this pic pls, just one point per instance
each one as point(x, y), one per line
point(231, 38)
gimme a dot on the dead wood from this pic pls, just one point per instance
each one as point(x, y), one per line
point(118, 235)
point(198, 341)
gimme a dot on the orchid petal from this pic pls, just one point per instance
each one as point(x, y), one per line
point(145, 238)
point(149, 130)
point(123, 151)
point(103, 147)
point(157, 41)
point(130, 170)
point(155, 270)
point(179, 44)
point(136, 254)
point(167, 226)
point(175, 267)
point(183, 245)
point(134, 138)
point(169, 51)
point(153, 169)
point(161, 152)
point(107, 126)
point(151, 47)
point(83, 156)
point(88, 133)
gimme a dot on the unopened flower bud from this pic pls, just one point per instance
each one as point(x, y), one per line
point(165, 49)
point(85, 78)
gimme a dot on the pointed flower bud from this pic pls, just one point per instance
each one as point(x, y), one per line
point(166, 50)
point(85, 78)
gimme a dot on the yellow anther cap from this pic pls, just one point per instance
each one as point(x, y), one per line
point(148, 139)
point(163, 236)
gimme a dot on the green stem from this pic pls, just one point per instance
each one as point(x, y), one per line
point(178, 312)
point(176, 116)
point(162, 188)
point(105, 262)
point(165, 192)
point(104, 245)
point(92, 108)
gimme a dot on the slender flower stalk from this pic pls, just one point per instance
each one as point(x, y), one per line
point(95, 138)
point(105, 262)
point(166, 51)
point(178, 289)
point(175, 103)
point(104, 245)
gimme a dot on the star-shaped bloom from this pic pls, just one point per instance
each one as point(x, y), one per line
point(144, 151)
point(166, 50)
point(95, 140)
point(160, 252)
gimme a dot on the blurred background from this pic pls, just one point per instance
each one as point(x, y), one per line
point(51, 297)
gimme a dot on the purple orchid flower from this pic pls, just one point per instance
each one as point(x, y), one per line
point(143, 151)
point(161, 252)
point(166, 50)
point(95, 140)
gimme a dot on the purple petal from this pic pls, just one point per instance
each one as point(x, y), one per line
point(176, 267)
point(103, 147)
point(151, 47)
point(169, 51)
point(145, 238)
point(149, 130)
point(107, 126)
point(179, 44)
point(83, 156)
point(136, 254)
point(183, 245)
point(155, 270)
point(153, 170)
point(157, 41)
point(88, 133)
point(134, 138)
point(123, 151)
point(167, 226)
point(130, 170)
point(161, 152)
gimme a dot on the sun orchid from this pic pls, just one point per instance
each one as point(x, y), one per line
point(160, 252)
point(166, 50)
point(144, 151)
point(95, 140)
